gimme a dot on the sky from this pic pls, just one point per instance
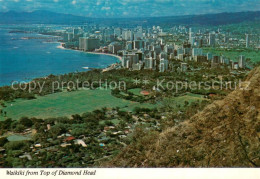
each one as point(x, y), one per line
point(131, 8)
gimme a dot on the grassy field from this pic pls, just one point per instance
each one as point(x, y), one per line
point(67, 104)
point(136, 91)
point(189, 97)
point(234, 55)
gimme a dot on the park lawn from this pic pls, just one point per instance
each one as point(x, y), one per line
point(136, 91)
point(67, 104)
point(180, 100)
point(234, 54)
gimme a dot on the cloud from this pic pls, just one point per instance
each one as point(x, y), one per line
point(105, 8)
point(131, 8)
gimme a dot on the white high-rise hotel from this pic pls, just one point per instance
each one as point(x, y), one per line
point(191, 37)
point(211, 39)
point(247, 40)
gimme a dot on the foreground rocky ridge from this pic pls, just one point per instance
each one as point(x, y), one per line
point(225, 134)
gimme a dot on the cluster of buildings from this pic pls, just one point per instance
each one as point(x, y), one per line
point(149, 48)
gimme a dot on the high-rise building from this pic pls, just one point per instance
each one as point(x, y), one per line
point(148, 63)
point(209, 56)
point(222, 58)
point(163, 66)
point(75, 32)
point(92, 44)
point(172, 56)
point(211, 40)
point(139, 34)
point(127, 35)
point(129, 59)
point(200, 59)
point(197, 52)
point(191, 37)
point(200, 42)
point(193, 41)
point(169, 49)
point(163, 55)
point(124, 61)
point(180, 51)
point(70, 37)
point(82, 43)
point(157, 49)
point(187, 51)
point(226, 39)
point(117, 32)
point(137, 66)
point(247, 41)
point(242, 61)
point(181, 57)
point(129, 45)
point(226, 61)
point(138, 44)
point(215, 61)
point(114, 47)
point(65, 37)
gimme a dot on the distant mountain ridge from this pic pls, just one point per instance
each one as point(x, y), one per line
point(47, 17)
point(40, 17)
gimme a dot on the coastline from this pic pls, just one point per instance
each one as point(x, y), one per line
point(100, 53)
point(110, 67)
point(95, 53)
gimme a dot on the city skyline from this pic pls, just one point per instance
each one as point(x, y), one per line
point(133, 8)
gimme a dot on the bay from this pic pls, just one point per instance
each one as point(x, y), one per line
point(26, 59)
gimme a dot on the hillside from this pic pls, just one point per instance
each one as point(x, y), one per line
point(225, 134)
point(46, 17)
point(40, 17)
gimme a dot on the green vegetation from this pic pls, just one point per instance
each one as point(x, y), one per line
point(67, 104)
point(85, 140)
point(182, 101)
point(18, 137)
point(233, 54)
point(136, 91)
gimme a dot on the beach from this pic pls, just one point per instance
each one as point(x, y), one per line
point(96, 53)
point(110, 67)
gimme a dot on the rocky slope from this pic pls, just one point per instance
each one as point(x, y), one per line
point(225, 134)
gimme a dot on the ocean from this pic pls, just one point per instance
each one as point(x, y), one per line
point(26, 59)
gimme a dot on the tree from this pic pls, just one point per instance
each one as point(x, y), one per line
point(19, 128)
point(77, 117)
point(6, 124)
point(3, 141)
point(58, 129)
point(108, 123)
point(186, 103)
point(15, 145)
point(25, 121)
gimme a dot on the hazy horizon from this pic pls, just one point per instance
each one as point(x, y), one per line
point(130, 8)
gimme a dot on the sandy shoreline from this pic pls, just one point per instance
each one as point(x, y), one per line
point(96, 53)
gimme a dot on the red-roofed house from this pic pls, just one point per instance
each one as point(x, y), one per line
point(71, 138)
